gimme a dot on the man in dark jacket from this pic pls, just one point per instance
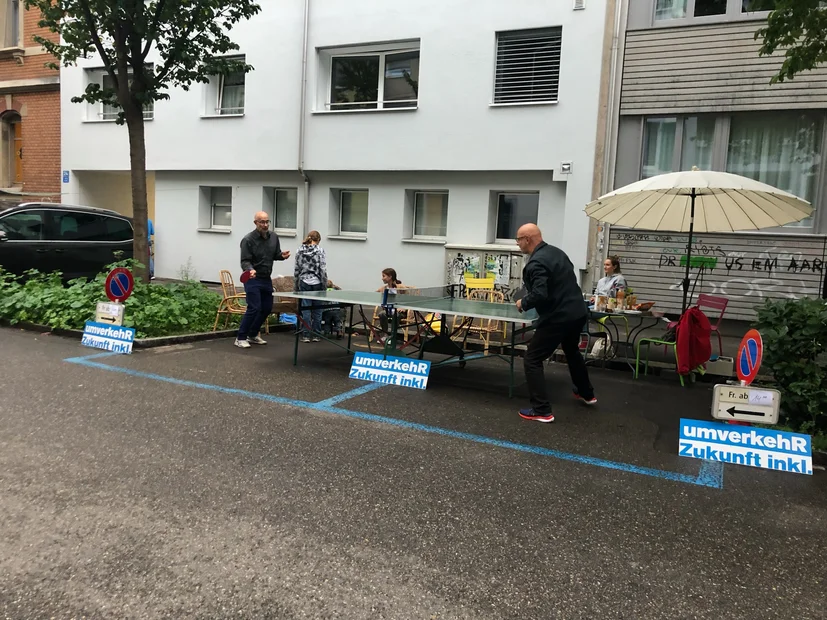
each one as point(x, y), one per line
point(258, 251)
point(552, 290)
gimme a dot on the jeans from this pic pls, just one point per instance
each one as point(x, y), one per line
point(544, 342)
point(259, 306)
point(316, 313)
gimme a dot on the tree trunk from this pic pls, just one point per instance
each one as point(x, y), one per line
point(137, 158)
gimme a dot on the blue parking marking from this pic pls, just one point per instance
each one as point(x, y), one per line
point(710, 475)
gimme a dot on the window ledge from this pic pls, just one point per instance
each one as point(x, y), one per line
point(485, 246)
point(12, 52)
point(522, 104)
point(370, 111)
point(205, 116)
point(347, 238)
point(107, 120)
point(216, 231)
point(285, 233)
point(425, 241)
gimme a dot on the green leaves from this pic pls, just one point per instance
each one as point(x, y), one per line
point(153, 309)
point(800, 28)
point(794, 332)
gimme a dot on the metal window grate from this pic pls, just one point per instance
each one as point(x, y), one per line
point(528, 65)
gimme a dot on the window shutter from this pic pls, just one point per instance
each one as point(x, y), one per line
point(528, 65)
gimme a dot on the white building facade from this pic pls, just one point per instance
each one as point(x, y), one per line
point(413, 138)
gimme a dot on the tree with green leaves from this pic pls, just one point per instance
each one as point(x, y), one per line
point(146, 48)
point(799, 27)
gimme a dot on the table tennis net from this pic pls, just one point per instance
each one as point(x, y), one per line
point(423, 294)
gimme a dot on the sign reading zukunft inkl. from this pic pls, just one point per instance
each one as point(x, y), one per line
point(755, 447)
point(108, 337)
point(400, 371)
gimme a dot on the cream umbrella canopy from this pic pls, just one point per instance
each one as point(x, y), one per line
point(698, 200)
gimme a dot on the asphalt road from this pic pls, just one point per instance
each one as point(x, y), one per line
point(203, 481)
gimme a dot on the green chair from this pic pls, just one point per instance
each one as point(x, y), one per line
point(658, 342)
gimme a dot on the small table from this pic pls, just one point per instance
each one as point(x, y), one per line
point(645, 320)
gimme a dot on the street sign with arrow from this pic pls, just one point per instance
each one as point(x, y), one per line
point(746, 404)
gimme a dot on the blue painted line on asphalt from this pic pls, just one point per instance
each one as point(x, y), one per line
point(77, 360)
point(710, 475)
point(350, 394)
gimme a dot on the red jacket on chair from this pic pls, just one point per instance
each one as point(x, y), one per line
point(694, 345)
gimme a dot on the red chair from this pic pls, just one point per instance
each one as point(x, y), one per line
point(715, 303)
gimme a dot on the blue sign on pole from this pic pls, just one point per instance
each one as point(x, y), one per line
point(65, 176)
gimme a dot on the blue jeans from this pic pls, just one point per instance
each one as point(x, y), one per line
point(316, 313)
point(259, 306)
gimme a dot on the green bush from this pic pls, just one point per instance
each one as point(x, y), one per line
point(152, 309)
point(794, 332)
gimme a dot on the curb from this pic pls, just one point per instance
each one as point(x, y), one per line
point(141, 343)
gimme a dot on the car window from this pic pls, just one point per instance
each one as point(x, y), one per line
point(77, 226)
point(118, 229)
point(23, 226)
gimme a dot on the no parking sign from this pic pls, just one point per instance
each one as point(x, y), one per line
point(119, 284)
point(749, 357)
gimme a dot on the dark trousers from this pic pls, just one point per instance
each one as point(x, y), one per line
point(259, 306)
point(311, 316)
point(545, 341)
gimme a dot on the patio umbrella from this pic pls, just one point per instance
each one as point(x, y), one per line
point(700, 200)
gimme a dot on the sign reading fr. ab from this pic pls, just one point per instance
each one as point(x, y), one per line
point(390, 370)
point(746, 404)
point(108, 337)
point(755, 447)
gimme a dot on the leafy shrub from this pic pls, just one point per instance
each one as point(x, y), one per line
point(794, 332)
point(152, 309)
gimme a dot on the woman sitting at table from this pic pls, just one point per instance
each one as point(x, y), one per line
point(613, 281)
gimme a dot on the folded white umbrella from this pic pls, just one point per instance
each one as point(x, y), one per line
point(700, 200)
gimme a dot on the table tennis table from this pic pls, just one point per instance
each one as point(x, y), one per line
point(431, 309)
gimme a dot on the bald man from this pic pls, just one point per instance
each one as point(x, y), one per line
point(552, 290)
point(259, 249)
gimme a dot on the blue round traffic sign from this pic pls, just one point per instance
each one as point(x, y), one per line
point(749, 356)
point(119, 284)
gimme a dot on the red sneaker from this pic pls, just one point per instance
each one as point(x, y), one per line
point(530, 414)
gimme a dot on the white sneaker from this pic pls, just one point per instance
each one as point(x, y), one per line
point(316, 339)
point(242, 344)
point(305, 339)
point(257, 340)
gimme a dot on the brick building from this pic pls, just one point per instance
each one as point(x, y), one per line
point(29, 108)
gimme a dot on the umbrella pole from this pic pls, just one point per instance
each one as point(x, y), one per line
point(689, 251)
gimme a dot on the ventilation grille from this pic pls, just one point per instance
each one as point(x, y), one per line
point(528, 66)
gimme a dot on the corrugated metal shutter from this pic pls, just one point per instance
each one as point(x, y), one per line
point(528, 65)
point(744, 268)
point(711, 68)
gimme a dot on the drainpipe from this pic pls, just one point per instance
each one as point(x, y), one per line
point(302, 114)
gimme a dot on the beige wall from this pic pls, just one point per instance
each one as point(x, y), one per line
point(113, 190)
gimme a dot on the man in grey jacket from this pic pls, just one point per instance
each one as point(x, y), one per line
point(259, 249)
point(553, 291)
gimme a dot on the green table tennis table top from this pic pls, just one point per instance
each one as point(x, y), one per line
point(506, 312)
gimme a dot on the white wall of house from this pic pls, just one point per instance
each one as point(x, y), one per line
point(455, 138)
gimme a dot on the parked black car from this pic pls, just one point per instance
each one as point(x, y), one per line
point(77, 241)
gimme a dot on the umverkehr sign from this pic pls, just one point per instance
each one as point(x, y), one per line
point(754, 447)
point(400, 371)
point(108, 337)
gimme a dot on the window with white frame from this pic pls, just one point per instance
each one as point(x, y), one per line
point(372, 77)
point(221, 207)
point(225, 93)
point(282, 205)
point(353, 212)
point(514, 209)
point(108, 112)
point(430, 215)
point(780, 148)
point(729, 9)
point(528, 66)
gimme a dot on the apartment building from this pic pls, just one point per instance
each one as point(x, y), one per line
point(29, 109)
point(693, 91)
point(414, 137)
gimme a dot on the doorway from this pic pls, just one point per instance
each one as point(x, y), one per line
point(11, 172)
